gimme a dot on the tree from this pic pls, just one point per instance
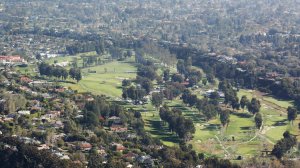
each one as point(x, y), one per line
point(204, 81)
point(128, 53)
point(292, 113)
point(95, 160)
point(126, 83)
point(283, 145)
point(74, 62)
point(244, 102)
point(91, 119)
point(157, 99)
point(38, 56)
point(75, 73)
point(147, 72)
point(181, 68)
point(225, 117)
point(258, 120)
point(254, 106)
point(78, 75)
point(188, 62)
point(145, 83)
point(235, 103)
point(72, 72)
point(166, 75)
point(100, 49)
point(177, 78)
point(116, 53)
point(193, 80)
point(137, 114)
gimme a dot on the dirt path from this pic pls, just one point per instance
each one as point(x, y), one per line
point(273, 105)
point(223, 147)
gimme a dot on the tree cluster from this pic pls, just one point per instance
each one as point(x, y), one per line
point(14, 153)
point(75, 73)
point(134, 93)
point(209, 108)
point(50, 70)
point(282, 146)
point(183, 127)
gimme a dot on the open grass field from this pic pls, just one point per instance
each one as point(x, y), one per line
point(107, 78)
point(29, 70)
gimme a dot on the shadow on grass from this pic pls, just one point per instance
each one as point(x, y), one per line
point(242, 115)
point(60, 81)
point(162, 132)
point(212, 127)
point(172, 138)
point(276, 97)
point(245, 128)
point(119, 87)
point(280, 123)
point(195, 117)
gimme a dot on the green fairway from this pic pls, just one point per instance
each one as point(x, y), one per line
point(107, 78)
point(29, 70)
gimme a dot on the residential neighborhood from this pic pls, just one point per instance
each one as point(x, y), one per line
point(149, 83)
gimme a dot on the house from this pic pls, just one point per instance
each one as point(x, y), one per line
point(185, 83)
point(24, 88)
point(85, 146)
point(24, 112)
point(129, 166)
point(118, 128)
point(146, 160)
point(43, 147)
point(25, 79)
point(219, 93)
point(28, 140)
point(65, 157)
point(102, 152)
point(114, 120)
point(52, 114)
point(272, 75)
point(241, 70)
point(55, 113)
point(40, 83)
point(131, 136)
point(130, 155)
point(6, 119)
point(35, 109)
point(79, 116)
point(118, 147)
point(59, 90)
point(62, 64)
point(58, 124)
point(46, 95)
point(11, 60)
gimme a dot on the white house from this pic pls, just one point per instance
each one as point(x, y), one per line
point(24, 112)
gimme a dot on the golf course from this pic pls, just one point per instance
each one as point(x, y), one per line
point(239, 138)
